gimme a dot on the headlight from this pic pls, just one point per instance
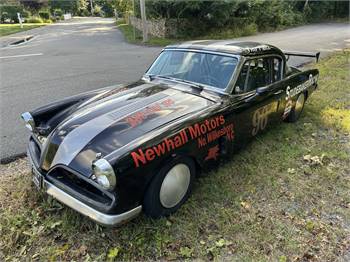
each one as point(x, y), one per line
point(29, 120)
point(104, 174)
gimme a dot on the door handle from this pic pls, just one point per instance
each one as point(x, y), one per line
point(278, 92)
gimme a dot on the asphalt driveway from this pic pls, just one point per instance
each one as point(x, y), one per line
point(87, 53)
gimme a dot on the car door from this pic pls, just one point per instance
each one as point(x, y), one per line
point(255, 97)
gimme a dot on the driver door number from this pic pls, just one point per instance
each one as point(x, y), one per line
point(260, 118)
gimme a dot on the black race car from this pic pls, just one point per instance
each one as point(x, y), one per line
point(113, 152)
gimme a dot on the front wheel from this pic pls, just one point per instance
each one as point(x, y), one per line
point(170, 188)
point(297, 109)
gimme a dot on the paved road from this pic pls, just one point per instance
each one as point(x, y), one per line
point(84, 54)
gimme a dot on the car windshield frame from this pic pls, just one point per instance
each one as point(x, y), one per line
point(204, 86)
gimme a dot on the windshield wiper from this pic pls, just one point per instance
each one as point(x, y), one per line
point(199, 86)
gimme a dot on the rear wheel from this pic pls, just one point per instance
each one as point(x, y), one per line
point(297, 109)
point(170, 188)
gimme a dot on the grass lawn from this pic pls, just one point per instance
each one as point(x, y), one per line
point(283, 198)
point(8, 29)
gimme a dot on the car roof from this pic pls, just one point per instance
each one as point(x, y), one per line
point(243, 48)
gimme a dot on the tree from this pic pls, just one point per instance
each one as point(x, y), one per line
point(34, 5)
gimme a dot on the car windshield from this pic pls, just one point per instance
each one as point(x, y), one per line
point(202, 68)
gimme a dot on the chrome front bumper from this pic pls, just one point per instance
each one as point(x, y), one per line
point(82, 208)
point(101, 218)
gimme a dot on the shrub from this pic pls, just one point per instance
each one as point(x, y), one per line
point(34, 19)
point(57, 12)
point(48, 21)
point(85, 13)
point(44, 14)
point(4, 16)
point(25, 14)
point(250, 29)
point(98, 10)
point(10, 12)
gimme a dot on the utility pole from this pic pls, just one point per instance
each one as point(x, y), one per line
point(92, 8)
point(133, 13)
point(144, 21)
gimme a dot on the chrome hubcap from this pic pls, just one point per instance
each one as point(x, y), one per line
point(175, 185)
point(299, 104)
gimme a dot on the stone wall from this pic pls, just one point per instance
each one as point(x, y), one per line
point(170, 28)
point(154, 27)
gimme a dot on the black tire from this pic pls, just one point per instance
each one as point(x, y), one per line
point(297, 109)
point(152, 205)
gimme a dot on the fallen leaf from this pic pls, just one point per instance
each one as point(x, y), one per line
point(55, 224)
point(220, 243)
point(186, 252)
point(291, 170)
point(113, 253)
point(245, 205)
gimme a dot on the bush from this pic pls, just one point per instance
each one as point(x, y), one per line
point(44, 14)
point(250, 29)
point(48, 21)
point(25, 14)
point(34, 19)
point(10, 12)
point(57, 12)
point(85, 13)
point(98, 10)
point(4, 16)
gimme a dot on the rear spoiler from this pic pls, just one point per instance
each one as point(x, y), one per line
point(304, 54)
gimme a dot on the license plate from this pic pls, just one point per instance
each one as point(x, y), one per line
point(37, 178)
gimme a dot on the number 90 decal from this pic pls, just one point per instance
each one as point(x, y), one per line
point(260, 118)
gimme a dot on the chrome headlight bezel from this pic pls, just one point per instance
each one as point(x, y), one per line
point(104, 174)
point(29, 121)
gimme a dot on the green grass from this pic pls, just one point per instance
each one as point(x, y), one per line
point(8, 29)
point(283, 198)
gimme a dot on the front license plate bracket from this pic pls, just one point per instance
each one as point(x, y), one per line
point(37, 179)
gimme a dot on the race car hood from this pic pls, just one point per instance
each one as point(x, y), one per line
point(114, 120)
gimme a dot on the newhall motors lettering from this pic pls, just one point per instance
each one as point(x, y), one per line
point(206, 132)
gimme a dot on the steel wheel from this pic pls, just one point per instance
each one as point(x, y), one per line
point(169, 188)
point(175, 185)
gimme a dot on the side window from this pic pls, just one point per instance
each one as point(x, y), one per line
point(258, 74)
point(276, 69)
point(241, 81)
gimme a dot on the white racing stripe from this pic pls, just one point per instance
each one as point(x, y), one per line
point(77, 139)
point(15, 56)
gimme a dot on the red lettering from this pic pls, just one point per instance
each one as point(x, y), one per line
point(178, 141)
point(168, 102)
point(201, 142)
point(203, 129)
point(159, 149)
point(207, 123)
point(194, 131)
point(213, 124)
point(169, 143)
point(138, 157)
point(222, 120)
point(150, 154)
